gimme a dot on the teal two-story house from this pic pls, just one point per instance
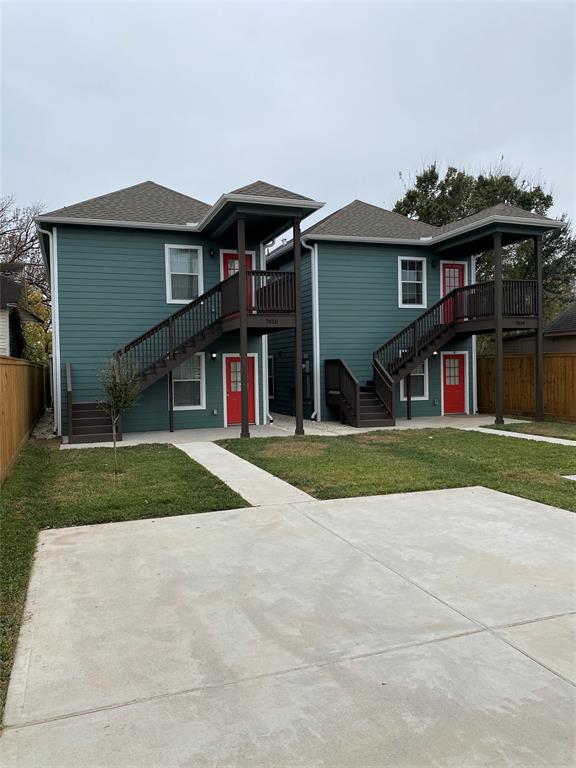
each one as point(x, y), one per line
point(179, 290)
point(364, 315)
point(391, 309)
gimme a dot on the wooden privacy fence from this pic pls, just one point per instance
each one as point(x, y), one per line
point(559, 385)
point(22, 396)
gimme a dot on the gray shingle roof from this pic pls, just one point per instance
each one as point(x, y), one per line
point(147, 202)
point(360, 219)
point(501, 209)
point(564, 323)
point(263, 189)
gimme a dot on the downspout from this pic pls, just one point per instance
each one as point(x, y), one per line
point(474, 364)
point(317, 413)
point(53, 268)
point(268, 419)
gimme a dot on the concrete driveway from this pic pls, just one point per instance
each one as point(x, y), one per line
point(425, 629)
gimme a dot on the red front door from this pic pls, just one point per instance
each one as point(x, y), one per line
point(453, 382)
point(453, 276)
point(234, 391)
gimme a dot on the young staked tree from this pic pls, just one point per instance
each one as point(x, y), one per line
point(438, 199)
point(123, 387)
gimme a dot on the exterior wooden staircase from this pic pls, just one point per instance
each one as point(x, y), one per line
point(461, 312)
point(164, 346)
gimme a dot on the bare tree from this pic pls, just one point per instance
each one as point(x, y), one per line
point(19, 243)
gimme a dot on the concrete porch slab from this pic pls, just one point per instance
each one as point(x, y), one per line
point(470, 701)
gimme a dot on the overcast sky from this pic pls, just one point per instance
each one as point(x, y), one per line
point(329, 99)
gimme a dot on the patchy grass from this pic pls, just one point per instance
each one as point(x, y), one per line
point(563, 429)
point(397, 461)
point(50, 489)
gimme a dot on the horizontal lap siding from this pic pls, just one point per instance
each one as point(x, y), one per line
point(112, 288)
point(281, 346)
point(358, 302)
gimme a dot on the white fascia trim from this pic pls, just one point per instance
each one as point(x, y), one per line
point(425, 396)
point(466, 379)
point(225, 355)
point(168, 273)
point(257, 200)
point(425, 240)
point(422, 259)
point(114, 223)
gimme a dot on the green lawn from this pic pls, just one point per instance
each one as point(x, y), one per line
point(397, 461)
point(50, 489)
point(565, 429)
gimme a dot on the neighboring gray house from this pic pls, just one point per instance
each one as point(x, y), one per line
point(559, 336)
point(12, 314)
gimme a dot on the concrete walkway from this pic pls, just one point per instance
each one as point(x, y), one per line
point(255, 485)
point(425, 629)
point(523, 436)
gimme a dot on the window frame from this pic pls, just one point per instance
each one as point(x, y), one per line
point(423, 261)
point(426, 395)
point(202, 406)
point(169, 273)
point(271, 368)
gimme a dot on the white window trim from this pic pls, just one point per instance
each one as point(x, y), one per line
point(426, 395)
point(202, 406)
point(273, 369)
point(200, 273)
point(466, 379)
point(451, 261)
point(424, 282)
point(235, 252)
point(256, 385)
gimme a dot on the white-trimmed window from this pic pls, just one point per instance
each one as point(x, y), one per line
point(183, 273)
point(411, 281)
point(271, 377)
point(189, 384)
point(418, 381)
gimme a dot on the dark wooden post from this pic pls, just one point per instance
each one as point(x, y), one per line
point(243, 316)
point(408, 388)
point(498, 331)
point(539, 350)
point(170, 401)
point(298, 393)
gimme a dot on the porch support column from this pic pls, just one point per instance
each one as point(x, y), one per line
point(498, 330)
point(243, 319)
point(298, 393)
point(170, 402)
point(408, 388)
point(539, 350)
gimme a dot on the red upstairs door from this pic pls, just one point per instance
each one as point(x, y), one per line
point(234, 391)
point(231, 266)
point(453, 276)
point(453, 383)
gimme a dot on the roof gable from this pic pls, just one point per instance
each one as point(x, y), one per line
point(263, 189)
point(147, 202)
point(359, 219)
point(501, 210)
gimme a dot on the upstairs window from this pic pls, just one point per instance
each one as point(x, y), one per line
point(183, 273)
point(412, 282)
point(188, 384)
